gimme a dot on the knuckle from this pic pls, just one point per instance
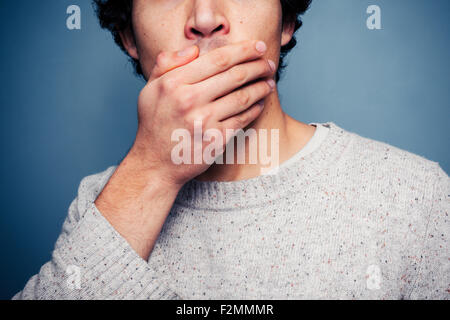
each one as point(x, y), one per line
point(242, 97)
point(247, 46)
point(244, 48)
point(186, 100)
point(189, 97)
point(238, 75)
point(168, 84)
point(239, 121)
point(221, 60)
point(161, 58)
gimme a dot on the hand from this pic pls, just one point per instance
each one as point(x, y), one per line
point(212, 88)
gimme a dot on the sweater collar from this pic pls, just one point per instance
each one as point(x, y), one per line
point(264, 189)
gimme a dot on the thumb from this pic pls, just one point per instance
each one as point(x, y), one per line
point(172, 60)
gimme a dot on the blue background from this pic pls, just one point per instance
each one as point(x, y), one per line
point(68, 101)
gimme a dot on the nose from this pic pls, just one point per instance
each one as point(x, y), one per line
point(207, 20)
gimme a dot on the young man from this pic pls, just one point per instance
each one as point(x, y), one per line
point(342, 217)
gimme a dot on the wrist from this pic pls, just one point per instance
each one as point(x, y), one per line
point(144, 168)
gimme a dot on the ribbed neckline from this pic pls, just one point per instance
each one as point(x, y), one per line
point(319, 135)
point(232, 195)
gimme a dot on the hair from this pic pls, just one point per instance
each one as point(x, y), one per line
point(115, 16)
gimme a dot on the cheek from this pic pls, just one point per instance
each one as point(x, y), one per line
point(148, 41)
point(263, 20)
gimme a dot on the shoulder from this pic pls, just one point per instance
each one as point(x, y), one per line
point(387, 156)
point(391, 172)
point(383, 160)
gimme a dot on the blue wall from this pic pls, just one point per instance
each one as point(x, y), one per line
point(68, 101)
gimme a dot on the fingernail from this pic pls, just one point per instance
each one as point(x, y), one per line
point(260, 103)
point(271, 83)
point(272, 65)
point(185, 52)
point(261, 46)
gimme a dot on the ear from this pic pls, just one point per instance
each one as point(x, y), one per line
point(288, 31)
point(129, 42)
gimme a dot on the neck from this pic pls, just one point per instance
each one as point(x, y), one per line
point(293, 135)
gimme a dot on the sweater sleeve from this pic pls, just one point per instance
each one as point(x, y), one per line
point(91, 260)
point(434, 270)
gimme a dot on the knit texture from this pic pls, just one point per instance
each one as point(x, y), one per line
point(353, 219)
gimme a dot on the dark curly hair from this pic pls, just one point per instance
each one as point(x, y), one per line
point(115, 16)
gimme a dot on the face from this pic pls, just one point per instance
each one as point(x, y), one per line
point(172, 25)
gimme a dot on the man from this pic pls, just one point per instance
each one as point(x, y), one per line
point(341, 217)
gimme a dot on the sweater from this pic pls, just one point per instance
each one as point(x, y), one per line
point(347, 217)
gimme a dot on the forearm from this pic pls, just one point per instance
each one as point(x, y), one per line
point(91, 260)
point(136, 202)
point(95, 262)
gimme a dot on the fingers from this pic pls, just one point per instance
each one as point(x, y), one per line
point(238, 101)
point(225, 82)
point(167, 61)
point(219, 60)
point(239, 121)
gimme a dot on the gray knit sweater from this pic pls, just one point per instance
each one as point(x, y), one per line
point(353, 219)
